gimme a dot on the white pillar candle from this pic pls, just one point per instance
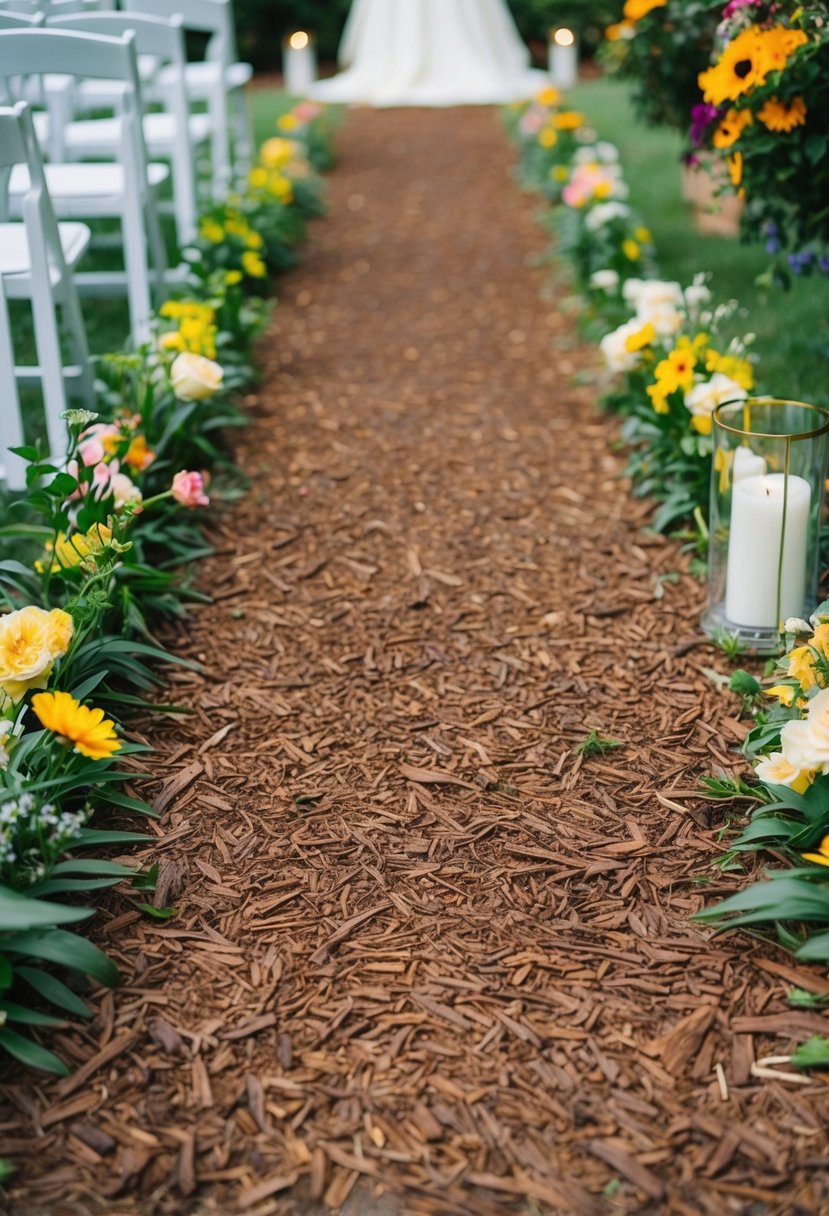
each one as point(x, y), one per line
point(747, 464)
point(300, 64)
point(564, 59)
point(754, 550)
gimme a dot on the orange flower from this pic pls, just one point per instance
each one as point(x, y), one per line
point(731, 128)
point(783, 115)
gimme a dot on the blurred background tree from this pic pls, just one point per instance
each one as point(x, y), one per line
point(262, 24)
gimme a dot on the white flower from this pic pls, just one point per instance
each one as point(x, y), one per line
point(603, 213)
point(607, 151)
point(777, 770)
point(805, 744)
point(665, 319)
point(696, 295)
point(704, 398)
point(796, 624)
point(194, 377)
point(614, 349)
point(604, 280)
point(646, 294)
point(124, 491)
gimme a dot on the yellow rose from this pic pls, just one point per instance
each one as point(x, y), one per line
point(258, 178)
point(31, 639)
point(277, 152)
point(253, 265)
point(195, 378)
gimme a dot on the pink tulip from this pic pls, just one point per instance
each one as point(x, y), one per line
point(188, 489)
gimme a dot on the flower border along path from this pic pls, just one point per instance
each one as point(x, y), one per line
point(92, 560)
point(671, 372)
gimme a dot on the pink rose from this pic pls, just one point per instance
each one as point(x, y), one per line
point(188, 489)
point(92, 447)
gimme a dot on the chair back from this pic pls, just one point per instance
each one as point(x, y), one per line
point(18, 20)
point(212, 17)
point(69, 55)
point(162, 37)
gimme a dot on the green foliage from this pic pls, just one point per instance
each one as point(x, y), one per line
point(597, 744)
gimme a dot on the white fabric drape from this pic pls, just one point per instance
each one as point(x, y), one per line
point(431, 53)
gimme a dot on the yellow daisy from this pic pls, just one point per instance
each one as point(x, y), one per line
point(92, 734)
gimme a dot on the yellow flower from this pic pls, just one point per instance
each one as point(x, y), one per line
point(778, 44)
point(253, 240)
point(568, 120)
point(783, 692)
point(281, 187)
point(548, 97)
point(821, 858)
point(820, 640)
point(547, 137)
point(92, 734)
point(737, 369)
point(802, 667)
point(723, 461)
point(659, 397)
point(276, 153)
point(739, 69)
point(631, 250)
point(31, 639)
point(212, 231)
point(602, 191)
point(783, 115)
point(287, 122)
point(560, 173)
point(634, 10)
point(253, 265)
point(195, 378)
point(619, 29)
point(677, 371)
point(643, 234)
point(258, 178)
point(642, 338)
point(74, 550)
point(172, 340)
point(233, 277)
point(731, 128)
point(735, 168)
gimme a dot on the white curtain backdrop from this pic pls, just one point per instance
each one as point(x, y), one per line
point(431, 53)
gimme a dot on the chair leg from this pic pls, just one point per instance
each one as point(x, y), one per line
point(243, 135)
point(73, 318)
point(184, 196)
point(50, 360)
point(219, 140)
point(138, 277)
point(11, 427)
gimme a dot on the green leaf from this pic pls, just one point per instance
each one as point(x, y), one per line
point(20, 912)
point(157, 913)
point(744, 684)
point(97, 866)
point(815, 949)
point(31, 1054)
point(814, 1053)
point(93, 836)
point(69, 950)
point(29, 1017)
point(54, 991)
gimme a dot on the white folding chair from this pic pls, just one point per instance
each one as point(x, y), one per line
point(170, 135)
point(124, 188)
point(37, 258)
point(219, 80)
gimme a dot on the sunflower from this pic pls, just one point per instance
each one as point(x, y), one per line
point(635, 10)
point(783, 116)
point(731, 128)
point(778, 44)
point(92, 734)
point(741, 67)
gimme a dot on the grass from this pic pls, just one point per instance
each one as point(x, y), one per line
point(792, 327)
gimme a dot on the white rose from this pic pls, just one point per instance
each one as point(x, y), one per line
point(696, 295)
point(805, 744)
point(603, 213)
point(194, 377)
point(604, 280)
point(704, 398)
point(796, 624)
point(654, 293)
point(631, 289)
point(616, 355)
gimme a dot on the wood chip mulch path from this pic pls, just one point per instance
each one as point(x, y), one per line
point(427, 958)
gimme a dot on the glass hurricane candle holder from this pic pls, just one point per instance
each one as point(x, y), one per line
point(299, 62)
point(767, 488)
point(563, 59)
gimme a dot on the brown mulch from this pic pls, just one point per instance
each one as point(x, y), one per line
point(427, 958)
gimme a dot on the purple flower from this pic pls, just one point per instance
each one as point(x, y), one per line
point(799, 261)
point(702, 116)
point(823, 265)
point(734, 6)
point(772, 245)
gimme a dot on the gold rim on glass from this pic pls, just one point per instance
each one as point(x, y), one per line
point(782, 401)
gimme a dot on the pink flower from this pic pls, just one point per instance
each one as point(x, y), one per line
point(92, 445)
point(188, 489)
point(530, 122)
point(307, 111)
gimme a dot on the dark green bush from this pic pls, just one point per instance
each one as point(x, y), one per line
point(262, 24)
